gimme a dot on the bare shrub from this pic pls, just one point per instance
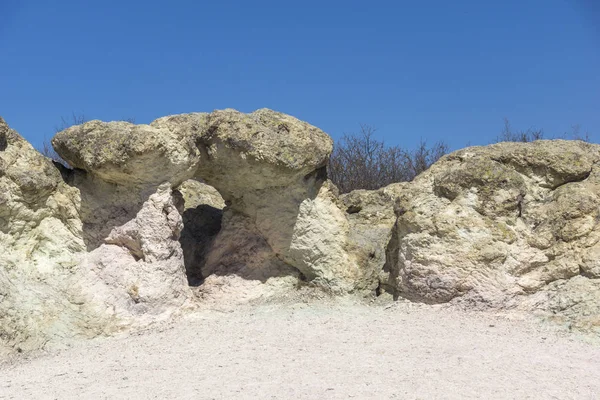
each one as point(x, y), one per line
point(75, 119)
point(508, 135)
point(530, 135)
point(360, 161)
point(576, 134)
point(47, 149)
point(423, 157)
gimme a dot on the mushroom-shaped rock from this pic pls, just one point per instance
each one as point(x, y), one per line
point(269, 167)
point(261, 150)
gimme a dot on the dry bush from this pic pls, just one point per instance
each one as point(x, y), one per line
point(508, 135)
point(360, 161)
point(47, 149)
point(530, 135)
point(423, 157)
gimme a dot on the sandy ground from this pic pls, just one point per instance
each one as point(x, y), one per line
point(319, 352)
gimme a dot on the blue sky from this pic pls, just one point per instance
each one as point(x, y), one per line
point(431, 69)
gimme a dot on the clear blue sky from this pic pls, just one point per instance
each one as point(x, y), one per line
point(435, 69)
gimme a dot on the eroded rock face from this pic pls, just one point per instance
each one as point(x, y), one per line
point(491, 225)
point(259, 151)
point(240, 265)
point(40, 235)
point(340, 242)
point(371, 217)
point(268, 167)
point(50, 287)
point(139, 269)
point(238, 206)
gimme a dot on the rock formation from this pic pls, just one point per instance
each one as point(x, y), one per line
point(50, 286)
point(40, 234)
point(110, 235)
point(226, 207)
point(507, 225)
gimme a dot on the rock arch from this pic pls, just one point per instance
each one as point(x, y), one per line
point(268, 167)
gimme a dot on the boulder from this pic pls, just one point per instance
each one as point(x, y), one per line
point(490, 226)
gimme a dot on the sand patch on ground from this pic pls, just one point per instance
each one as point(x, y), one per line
point(319, 351)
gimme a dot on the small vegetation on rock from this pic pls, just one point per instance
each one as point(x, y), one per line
point(75, 119)
point(508, 134)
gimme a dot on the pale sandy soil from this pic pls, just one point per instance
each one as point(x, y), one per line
point(319, 352)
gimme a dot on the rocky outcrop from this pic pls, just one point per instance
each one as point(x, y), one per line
point(127, 154)
point(226, 207)
point(40, 235)
point(489, 226)
point(268, 167)
point(50, 285)
point(131, 215)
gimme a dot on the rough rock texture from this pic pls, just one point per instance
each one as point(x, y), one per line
point(105, 205)
point(50, 287)
point(128, 154)
point(118, 165)
point(573, 302)
point(489, 225)
point(40, 234)
point(140, 268)
point(131, 217)
point(265, 165)
point(239, 207)
point(268, 167)
point(240, 266)
point(281, 223)
point(318, 246)
point(371, 217)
